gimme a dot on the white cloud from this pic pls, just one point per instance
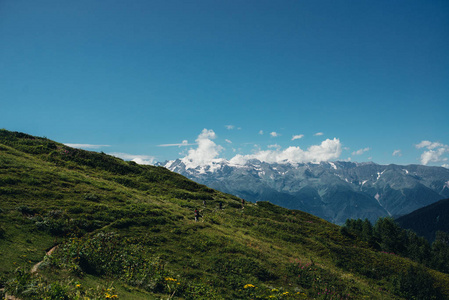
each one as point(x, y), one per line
point(318, 134)
point(274, 134)
point(183, 143)
point(261, 132)
point(228, 141)
point(397, 152)
point(297, 137)
point(434, 152)
point(327, 150)
point(429, 145)
point(433, 156)
point(143, 160)
point(445, 166)
point(86, 146)
point(361, 151)
point(229, 127)
point(140, 159)
point(206, 153)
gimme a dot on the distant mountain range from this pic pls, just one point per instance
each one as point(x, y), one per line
point(334, 191)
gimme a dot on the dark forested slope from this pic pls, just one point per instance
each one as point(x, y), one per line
point(427, 221)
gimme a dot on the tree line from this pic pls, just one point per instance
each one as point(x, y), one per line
point(386, 235)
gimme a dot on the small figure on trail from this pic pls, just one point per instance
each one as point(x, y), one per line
point(243, 203)
point(204, 203)
point(197, 215)
point(220, 205)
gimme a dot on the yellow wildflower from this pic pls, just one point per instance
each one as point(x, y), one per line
point(249, 285)
point(170, 279)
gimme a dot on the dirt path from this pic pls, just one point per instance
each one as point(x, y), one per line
point(36, 266)
point(32, 271)
point(9, 297)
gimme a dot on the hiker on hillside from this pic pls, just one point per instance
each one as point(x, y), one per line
point(204, 203)
point(243, 203)
point(197, 215)
point(220, 205)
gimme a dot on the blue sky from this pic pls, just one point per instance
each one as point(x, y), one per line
point(145, 78)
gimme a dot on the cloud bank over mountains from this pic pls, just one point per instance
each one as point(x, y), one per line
point(327, 150)
point(207, 153)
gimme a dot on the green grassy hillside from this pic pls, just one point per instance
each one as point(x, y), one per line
point(127, 231)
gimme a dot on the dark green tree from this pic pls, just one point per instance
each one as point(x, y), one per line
point(442, 236)
point(392, 238)
point(367, 232)
point(418, 248)
point(440, 252)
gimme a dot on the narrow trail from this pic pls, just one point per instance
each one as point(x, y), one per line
point(33, 270)
point(36, 266)
point(10, 297)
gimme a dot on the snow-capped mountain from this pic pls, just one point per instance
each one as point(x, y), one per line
point(334, 191)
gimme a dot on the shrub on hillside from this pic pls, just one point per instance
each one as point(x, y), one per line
point(26, 210)
point(416, 283)
point(35, 287)
point(111, 255)
point(318, 282)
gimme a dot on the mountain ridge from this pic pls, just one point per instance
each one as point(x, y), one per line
point(371, 190)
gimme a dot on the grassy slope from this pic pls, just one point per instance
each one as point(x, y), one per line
point(50, 192)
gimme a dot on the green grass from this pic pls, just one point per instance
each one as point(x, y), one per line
point(131, 229)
